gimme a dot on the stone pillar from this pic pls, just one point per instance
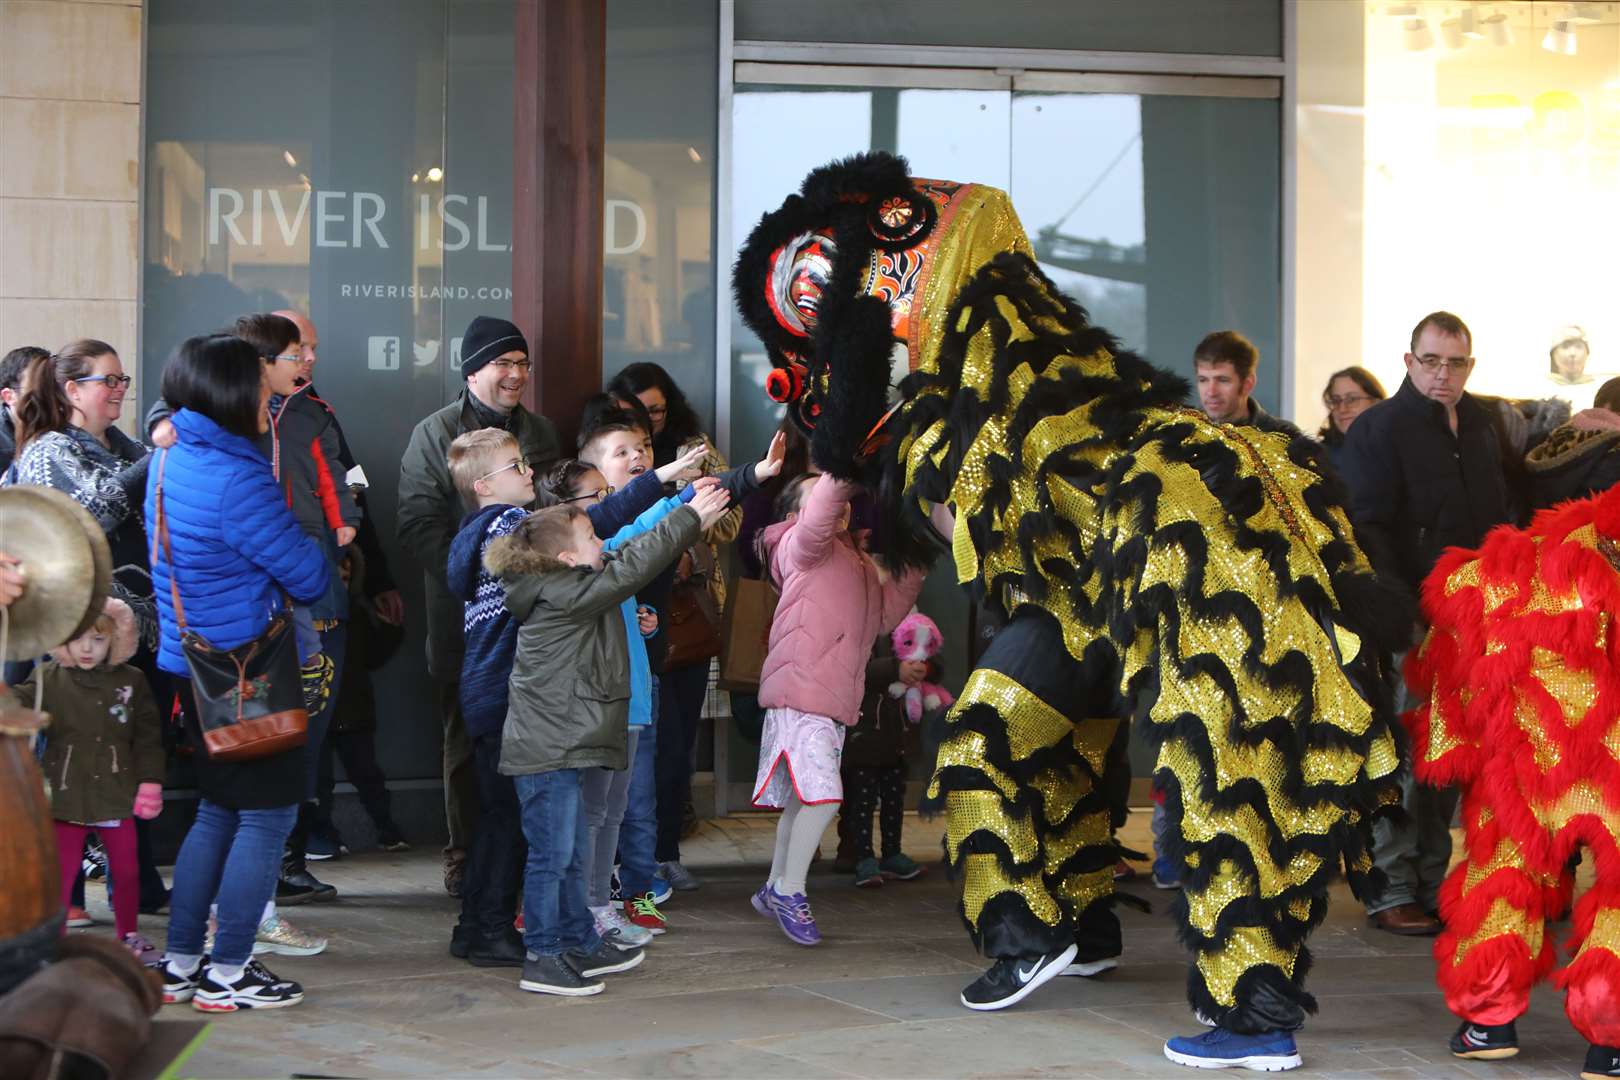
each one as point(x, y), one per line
point(70, 174)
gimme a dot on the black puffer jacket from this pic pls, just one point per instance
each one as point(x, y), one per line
point(1416, 488)
point(1573, 463)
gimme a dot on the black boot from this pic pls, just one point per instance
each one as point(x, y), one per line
point(497, 950)
point(1485, 1042)
point(1601, 1061)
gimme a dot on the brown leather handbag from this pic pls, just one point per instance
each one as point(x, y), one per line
point(250, 699)
point(691, 623)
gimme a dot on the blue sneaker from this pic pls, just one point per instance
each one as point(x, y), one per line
point(661, 890)
point(1217, 1048)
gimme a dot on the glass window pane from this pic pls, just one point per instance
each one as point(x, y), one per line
point(1160, 214)
point(1238, 27)
point(658, 268)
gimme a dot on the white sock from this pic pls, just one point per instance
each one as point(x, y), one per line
point(183, 963)
point(269, 911)
point(226, 976)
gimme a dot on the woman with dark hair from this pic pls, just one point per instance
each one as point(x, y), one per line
point(232, 548)
point(604, 408)
point(680, 689)
point(1349, 393)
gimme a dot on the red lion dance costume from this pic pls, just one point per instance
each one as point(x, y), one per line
point(1522, 672)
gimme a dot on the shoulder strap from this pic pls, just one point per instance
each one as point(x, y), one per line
point(163, 538)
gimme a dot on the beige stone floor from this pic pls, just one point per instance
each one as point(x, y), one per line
point(723, 994)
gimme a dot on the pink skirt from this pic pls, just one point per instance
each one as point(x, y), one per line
point(799, 752)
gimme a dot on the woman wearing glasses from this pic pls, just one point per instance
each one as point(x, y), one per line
point(67, 440)
point(1349, 393)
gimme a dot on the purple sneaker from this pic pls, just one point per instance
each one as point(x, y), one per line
point(793, 915)
point(762, 901)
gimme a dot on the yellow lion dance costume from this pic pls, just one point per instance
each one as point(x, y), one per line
point(1145, 563)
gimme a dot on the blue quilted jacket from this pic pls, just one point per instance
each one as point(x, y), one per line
point(233, 538)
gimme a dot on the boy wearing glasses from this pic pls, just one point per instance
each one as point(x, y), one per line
point(491, 474)
point(1425, 471)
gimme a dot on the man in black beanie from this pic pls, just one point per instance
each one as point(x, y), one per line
point(495, 364)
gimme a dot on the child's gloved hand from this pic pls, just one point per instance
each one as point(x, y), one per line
point(148, 801)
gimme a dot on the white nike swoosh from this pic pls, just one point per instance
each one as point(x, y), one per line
point(1477, 1035)
point(1025, 976)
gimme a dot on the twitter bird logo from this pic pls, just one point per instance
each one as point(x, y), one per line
point(426, 352)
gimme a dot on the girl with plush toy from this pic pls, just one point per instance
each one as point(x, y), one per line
point(103, 758)
point(900, 687)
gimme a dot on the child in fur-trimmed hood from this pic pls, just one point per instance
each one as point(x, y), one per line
point(103, 757)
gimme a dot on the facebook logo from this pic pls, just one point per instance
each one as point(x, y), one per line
point(382, 353)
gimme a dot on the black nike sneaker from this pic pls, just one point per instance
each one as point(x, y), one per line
point(1010, 981)
point(1601, 1061)
point(1485, 1042)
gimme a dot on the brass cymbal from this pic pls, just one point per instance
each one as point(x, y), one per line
point(66, 564)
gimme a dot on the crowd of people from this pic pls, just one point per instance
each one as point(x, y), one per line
point(560, 592)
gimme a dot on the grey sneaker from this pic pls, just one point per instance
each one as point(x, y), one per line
point(678, 876)
point(553, 975)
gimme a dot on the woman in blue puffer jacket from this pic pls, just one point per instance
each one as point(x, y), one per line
point(233, 546)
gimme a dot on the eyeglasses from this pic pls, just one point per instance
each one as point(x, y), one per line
point(1454, 364)
point(112, 382)
point(594, 496)
point(294, 357)
point(655, 411)
point(1345, 400)
point(509, 366)
point(520, 465)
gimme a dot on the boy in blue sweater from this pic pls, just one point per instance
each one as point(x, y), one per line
point(490, 473)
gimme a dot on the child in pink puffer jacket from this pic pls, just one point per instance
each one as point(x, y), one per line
point(835, 602)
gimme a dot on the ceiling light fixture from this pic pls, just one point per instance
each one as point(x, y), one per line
point(691, 152)
point(1418, 36)
point(1468, 23)
point(1451, 34)
point(1497, 30)
point(292, 162)
point(435, 174)
point(1560, 39)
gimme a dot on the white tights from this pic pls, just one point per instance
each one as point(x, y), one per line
point(798, 837)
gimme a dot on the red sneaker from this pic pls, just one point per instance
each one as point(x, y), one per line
point(644, 913)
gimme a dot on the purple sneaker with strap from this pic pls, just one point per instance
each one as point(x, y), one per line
point(794, 917)
point(762, 901)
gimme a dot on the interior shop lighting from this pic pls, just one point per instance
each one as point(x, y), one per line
point(1497, 30)
point(1400, 11)
point(691, 152)
point(1451, 34)
point(1560, 39)
point(287, 156)
point(435, 174)
point(1583, 13)
point(1468, 23)
point(1418, 35)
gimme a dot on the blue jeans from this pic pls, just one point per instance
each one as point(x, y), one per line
point(489, 887)
point(638, 833)
point(231, 857)
point(555, 915)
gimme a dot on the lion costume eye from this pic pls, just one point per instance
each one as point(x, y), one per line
point(800, 271)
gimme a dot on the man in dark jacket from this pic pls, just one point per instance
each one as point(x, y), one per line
point(1579, 458)
point(495, 365)
point(1425, 472)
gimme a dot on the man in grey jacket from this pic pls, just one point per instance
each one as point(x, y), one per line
point(495, 364)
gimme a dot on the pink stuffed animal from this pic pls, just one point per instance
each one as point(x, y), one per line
point(917, 638)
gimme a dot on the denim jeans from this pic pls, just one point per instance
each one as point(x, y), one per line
point(232, 857)
point(489, 885)
point(603, 793)
point(555, 915)
point(638, 832)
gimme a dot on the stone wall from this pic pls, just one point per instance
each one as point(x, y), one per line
point(70, 174)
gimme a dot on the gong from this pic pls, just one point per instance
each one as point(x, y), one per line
point(63, 555)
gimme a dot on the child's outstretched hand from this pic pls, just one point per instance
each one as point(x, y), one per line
point(771, 464)
point(711, 505)
point(148, 801)
point(683, 464)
